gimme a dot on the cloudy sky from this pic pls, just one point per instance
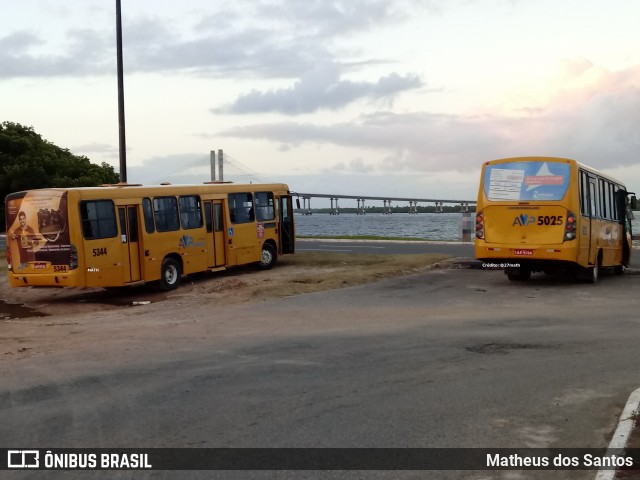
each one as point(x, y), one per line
point(371, 97)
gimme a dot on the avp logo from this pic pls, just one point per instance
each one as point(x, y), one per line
point(23, 459)
point(524, 220)
point(186, 241)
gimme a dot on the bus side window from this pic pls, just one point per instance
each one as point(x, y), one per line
point(584, 194)
point(147, 212)
point(593, 199)
point(264, 206)
point(602, 190)
point(166, 214)
point(98, 219)
point(190, 212)
point(241, 208)
point(207, 216)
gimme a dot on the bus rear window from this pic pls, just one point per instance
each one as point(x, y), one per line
point(530, 181)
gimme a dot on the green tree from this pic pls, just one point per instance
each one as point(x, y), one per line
point(27, 161)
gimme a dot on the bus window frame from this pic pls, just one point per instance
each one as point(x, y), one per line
point(160, 226)
point(187, 211)
point(98, 219)
point(241, 214)
point(147, 214)
point(264, 212)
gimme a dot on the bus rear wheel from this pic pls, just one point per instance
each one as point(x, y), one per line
point(593, 273)
point(518, 274)
point(589, 274)
point(169, 275)
point(268, 258)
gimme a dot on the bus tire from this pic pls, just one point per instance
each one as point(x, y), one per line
point(169, 275)
point(518, 274)
point(619, 269)
point(594, 272)
point(268, 258)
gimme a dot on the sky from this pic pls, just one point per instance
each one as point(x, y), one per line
point(356, 97)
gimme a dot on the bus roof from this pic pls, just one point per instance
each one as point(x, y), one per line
point(129, 190)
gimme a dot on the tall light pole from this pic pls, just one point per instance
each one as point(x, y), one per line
point(121, 127)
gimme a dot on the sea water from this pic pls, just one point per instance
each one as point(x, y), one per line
point(431, 226)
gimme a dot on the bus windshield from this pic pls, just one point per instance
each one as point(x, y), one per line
point(535, 180)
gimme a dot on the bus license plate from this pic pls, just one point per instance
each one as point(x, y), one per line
point(523, 252)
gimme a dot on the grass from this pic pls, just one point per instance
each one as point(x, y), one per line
point(308, 272)
point(304, 272)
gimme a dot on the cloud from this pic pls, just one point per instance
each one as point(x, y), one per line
point(96, 148)
point(326, 20)
point(19, 42)
point(356, 165)
point(177, 168)
point(264, 39)
point(594, 122)
point(318, 88)
point(23, 54)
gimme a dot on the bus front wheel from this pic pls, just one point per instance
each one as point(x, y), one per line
point(169, 275)
point(268, 258)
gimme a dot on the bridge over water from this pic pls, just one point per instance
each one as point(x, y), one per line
point(413, 202)
point(228, 168)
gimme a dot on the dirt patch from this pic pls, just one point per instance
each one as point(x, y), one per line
point(294, 275)
point(129, 320)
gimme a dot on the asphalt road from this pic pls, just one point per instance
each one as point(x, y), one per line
point(456, 249)
point(449, 358)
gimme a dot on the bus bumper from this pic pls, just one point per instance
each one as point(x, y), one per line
point(43, 280)
point(534, 257)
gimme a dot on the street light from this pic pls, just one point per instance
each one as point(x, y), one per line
point(121, 127)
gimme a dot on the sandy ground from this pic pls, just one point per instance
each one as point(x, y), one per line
point(49, 321)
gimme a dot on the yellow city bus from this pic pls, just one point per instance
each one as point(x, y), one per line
point(551, 214)
point(118, 235)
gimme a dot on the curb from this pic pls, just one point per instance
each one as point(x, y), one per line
point(621, 435)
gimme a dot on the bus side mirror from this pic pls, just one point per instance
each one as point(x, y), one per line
point(633, 203)
point(298, 203)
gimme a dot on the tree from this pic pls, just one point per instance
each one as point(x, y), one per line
point(27, 161)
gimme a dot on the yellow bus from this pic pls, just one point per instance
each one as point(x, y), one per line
point(118, 235)
point(551, 214)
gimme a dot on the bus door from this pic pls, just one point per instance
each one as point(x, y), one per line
point(624, 218)
point(128, 215)
point(287, 230)
point(214, 219)
point(594, 211)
